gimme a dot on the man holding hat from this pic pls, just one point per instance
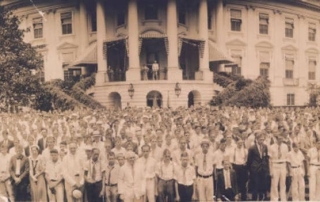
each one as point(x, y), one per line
point(54, 177)
point(204, 172)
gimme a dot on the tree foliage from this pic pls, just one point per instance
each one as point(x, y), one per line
point(17, 61)
point(242, 92)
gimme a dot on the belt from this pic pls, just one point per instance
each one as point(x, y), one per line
point(165, 180)
point(278, 162)
point(295, 166)
point(205, 176)
point(314, 164)
point(53, 180)
point(111, 185)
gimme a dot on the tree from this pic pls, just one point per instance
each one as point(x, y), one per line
point(17, 62)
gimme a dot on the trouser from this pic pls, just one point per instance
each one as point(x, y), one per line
point(258, 184)
point(228, 195)
point(21, 190)
point(242, 178)
point(58, 195)
point(279, 174)
point(93, 191)
point(185, 192)
point(155, 74)
point(111, 193)
point(314, 183)
point(129, 196)
point(69, 189)
point(205, 188)
point(6, 189)
point(297, 184)
point(165, 190)
point(150, 190)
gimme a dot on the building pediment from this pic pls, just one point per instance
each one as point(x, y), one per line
point(290, 48)
point(264, 44)
point(312, 51)
point(67, 45)
point(236, 42)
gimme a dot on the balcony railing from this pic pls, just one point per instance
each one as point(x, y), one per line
point(148, 75)
point(111, 76)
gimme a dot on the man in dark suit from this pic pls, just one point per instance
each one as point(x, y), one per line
point(258, 165)
point(27, 149)
point(42, 143)
point(6, 142)
point(226, 182)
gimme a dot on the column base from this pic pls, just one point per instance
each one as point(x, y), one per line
point(133, 74)
point(101, 78)
point(174, 74)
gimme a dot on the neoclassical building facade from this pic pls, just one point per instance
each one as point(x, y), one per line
point(189, 40)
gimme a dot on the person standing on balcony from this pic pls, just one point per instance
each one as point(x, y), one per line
point(144, 71)
point(155, 70)
point(110, 74)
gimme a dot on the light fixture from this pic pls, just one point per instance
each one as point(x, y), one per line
point(177, 89)
point(131, 90)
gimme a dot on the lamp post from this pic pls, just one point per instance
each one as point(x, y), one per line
point(177, 89)
point(131, 90)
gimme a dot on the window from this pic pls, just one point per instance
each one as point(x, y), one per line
point(182, 14)
point(289, 68)
point(237, 68)
point(121, 18)
point(236, 20)
point(312, 32)
point(290, 99)
point(263, 23)
point(289, 27)
point(264, 69)
point(37, 28)
point(151, 11)
point(94, 20)
point(66, 23)
point(312, 70)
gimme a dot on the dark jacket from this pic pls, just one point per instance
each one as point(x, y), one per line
point(221, 183)
point(255, 162)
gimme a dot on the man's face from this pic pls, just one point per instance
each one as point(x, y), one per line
point(4, 150)
point(44, 133)
point(205, 148)
point(121, 161)
point(183, 145)
point(54, 157)
point(108, 146)
point(19, 150)
point(111, 160)
point(131, 160)
point(184, 161)
point(146, 152)
point(73, 148)
point(50, 143)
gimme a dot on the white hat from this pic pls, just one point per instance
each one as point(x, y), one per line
point(96, 133)
point(77, 194)
point(87, 147)
point(130, 154)
point(99, 122)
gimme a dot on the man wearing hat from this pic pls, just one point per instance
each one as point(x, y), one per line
point(278, 154)
point(54, 177)
point(111, 178)
point(6, 188)
point(204, 172)
point(97, 143)
point(129, 180)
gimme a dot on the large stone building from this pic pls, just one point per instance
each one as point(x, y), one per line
point(189, 39)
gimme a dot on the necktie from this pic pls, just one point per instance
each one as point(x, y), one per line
point(261, 151)
point(227, 179)
point(34, 165)
point(318, 157)
point(109, 178)
point(94, 172)
point(205, 162)
point(279, 152)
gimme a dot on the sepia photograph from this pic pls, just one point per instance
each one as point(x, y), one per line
point(159, 100)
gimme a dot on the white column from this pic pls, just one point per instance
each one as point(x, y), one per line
point(174, 73)
point(203, 34)
point(133, 73)
point(101, 36)
point(83, 26)
point(220, 26)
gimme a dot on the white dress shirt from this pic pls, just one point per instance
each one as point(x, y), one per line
point(205, 163)
point(165, 171)
point(185, 176)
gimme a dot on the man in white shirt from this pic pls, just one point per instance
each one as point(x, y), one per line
point(278, 168)
point(296, 161)
point(111, 178)
point(165, 173)
point(204, 169)
point(129, 180)
point(314, 174)
point(155, 70)
point(94, 176)
point(73, 172)
point(147, 166)
point(54, 177)
point(185, 178)
point(6, 188)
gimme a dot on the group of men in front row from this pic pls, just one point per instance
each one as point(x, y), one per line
point(204, 175)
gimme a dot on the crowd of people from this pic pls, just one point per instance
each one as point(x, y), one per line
point(200, 153)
